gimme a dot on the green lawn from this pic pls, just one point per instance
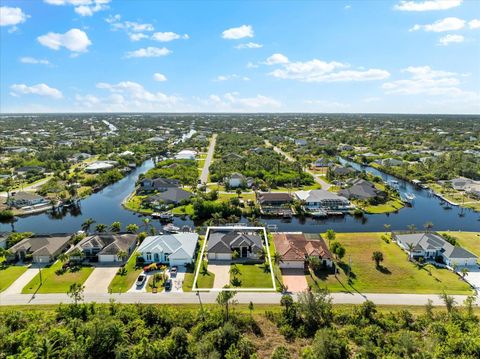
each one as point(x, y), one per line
point(181, 210)
point(149, 285)
point(244, 196)
point(134, 203)
point(10, 274)
point(204, 280)
point(276, 269)
point(56, 283)
point(390, 206)
point(456, 196)
point(254, 276)
point(122, 283)
point(397, 274)
point(468, 240)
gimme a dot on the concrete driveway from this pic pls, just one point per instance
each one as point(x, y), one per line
point(177, 281)
point(294, 279)
point(221, 271)
point(472, 277)
point(22, 281)
point(100, 279)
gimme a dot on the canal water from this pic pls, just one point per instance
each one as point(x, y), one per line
point(105, 207)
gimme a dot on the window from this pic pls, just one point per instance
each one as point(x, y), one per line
point(166, 256)
point(149, 256)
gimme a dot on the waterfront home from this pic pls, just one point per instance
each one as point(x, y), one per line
point(432, 246)
point(100, 166)
point(321, 199)
point(222, 243)
point(158, 184)
point(362, 190)
point(186, 155)
point(275, 202)
point(23, 199)
point(172, 195)
point(464, 184)
point(341, 171)
point(105, 247)
point(389, 162)
point(296, 248)
point(42, 249)
point(176, 249)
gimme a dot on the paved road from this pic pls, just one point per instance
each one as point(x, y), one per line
point(316, 177)
point(208, 159)
point(209, 297)
point(29, 188)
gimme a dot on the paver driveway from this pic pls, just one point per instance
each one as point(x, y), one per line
point(100, 279)
point(294, 279)
point(221, 271)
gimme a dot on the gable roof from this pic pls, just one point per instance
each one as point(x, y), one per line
point(297, 246)
point(220, 241)
point(109, 243)
point(42, 245)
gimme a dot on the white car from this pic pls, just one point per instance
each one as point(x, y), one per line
point(141, 280)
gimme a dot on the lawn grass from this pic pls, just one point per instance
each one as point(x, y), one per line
point(56, 283)
point(181, 210)
point(276, 269)
point(468, 240)
point(456, 196)
point(10, 274)
point(204, 280)
point(123, 282)
point(149, 285)
point(254, 276)
point(387, 207)
point(397, 274)
point(134, 204)
point(244, 196)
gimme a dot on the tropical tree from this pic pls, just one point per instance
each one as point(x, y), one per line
point(63, 257)
point(410, 247)
point(412, 228)
point(377, 257)
point(100, 228)
point(226, 298)
point(387, 227)
point(277, 258)
point(428, 226)
point(449, 302)
point(330, 234)
point(116, 227)
point(464, 272)
point(87, 224)
point(122, 255)
point(131, 228)
point(76, 292)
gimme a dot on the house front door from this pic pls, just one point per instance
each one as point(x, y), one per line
point(244, 252)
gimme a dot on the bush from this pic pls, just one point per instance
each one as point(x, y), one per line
point(288, 332)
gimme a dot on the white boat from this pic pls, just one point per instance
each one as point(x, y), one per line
point(171, 228)
point(410, 196)
point(319, 214)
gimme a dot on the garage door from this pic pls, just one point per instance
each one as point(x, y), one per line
point(177, 262)
point(106, 258)
point(220, 256)
point(292, 264)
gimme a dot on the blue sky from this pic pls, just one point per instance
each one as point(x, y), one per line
point(218, 56)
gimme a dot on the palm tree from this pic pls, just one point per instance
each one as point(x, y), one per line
point(428, 226)
point(411, 228)
point(132, 228)
point(225, 298)
point(146, 223)
point(464, 272)
point(116, 227)
point(387, 227)
point(63, 257)
point(410, 247)
point(330, 234)
point(122, 255)
point(277, 258)
point(87, 224)
point(377, 257)
point(100, 228)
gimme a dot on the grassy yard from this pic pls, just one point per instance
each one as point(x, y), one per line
point(204, 280)
point(468, 240)
point(9, 274)
point(122, 283)
point(149, 285)
point(181, 210)
point(276, 269)
point(396, 275)
point(456, 196)
point(254, 276)
point(243, 196)
point(301, 188)
point(56, 283)
point(134, 203)
point(387, 207)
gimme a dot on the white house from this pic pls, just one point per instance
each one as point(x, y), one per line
point(186, 155)
point(236, 180)
point(431, 245)
point(100, 166)
point(176, 249)
point(321, 199)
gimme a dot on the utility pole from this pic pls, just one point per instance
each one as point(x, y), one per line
point(201, 305)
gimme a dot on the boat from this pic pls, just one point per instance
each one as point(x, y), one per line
point(166, 215)
point(170, 228)
point(319, 214)
point(335, 213)
point(410, 196)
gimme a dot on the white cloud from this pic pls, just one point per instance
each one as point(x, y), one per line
point(427, 5)
point(320, 71)
point(12, 16)
point(347, 7)
point(159, 77)
point(447, 24)
point(74, 40)
point(232, 101)
point(33, 61)
point(135, 30)
point(251, 65)
point(39, 89)
point(276, 59)
point(249, 45)
point(137, 36)
point(448, 39)
point(149, 52)
point(236, 33)
point(474, 24)
point(137, 92)
point(168, 36)
point(231, 77)
point(82, 7)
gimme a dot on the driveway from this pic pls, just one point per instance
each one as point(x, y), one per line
point(177, 281)
point(22, 281)
point(472, 277)
point(294, 279)
point(221, 271)
point(100, 279)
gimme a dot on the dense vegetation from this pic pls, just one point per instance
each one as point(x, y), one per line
point(309, 328)
point(183, 170)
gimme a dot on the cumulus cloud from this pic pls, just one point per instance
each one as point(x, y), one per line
point(136, 91)
point(159, 77)
point(232, 101)
point(149, 52)
point(321, 71)
point(448, 39)
point(276, 59)
point(428, 5)
point(447, 24)
point(168, 36)
point(12, 16)
point(249, 45)
point(231, 77)
point(33, 61)
point(82, 7)
point(236, 33)
point(39, 89)
point(474, 24)
point(74, 40)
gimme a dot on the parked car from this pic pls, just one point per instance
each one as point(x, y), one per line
point(168, 285)
point(173, 271)
point(141, 280)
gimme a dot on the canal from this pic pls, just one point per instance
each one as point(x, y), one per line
point(105, 207)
